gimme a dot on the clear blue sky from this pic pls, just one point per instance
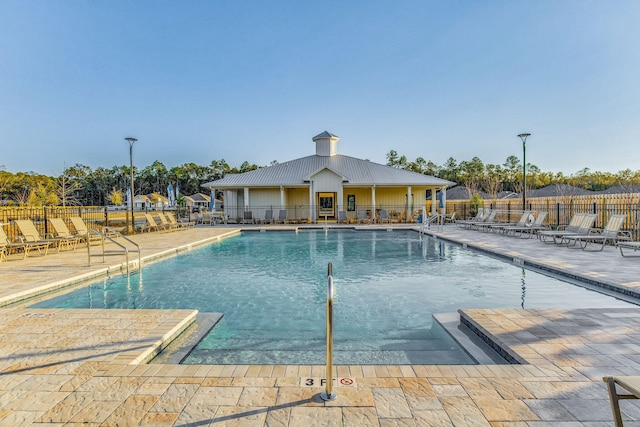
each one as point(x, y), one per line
point(196, 81)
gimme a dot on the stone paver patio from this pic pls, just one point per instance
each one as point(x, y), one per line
point(88, 367)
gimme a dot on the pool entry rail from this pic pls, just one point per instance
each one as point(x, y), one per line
point(111, 235)
point(329, 394)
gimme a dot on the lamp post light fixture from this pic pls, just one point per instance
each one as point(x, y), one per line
point(132, 226)
point(523, 137)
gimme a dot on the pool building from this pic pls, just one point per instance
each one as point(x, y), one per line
point(330, 186)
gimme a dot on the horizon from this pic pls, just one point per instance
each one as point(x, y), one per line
point(255, 82)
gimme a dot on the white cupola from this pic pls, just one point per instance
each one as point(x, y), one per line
point(326, 144)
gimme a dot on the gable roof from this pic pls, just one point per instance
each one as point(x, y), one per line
point(356, 172)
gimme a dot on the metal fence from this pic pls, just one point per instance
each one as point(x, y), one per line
point(559, 212)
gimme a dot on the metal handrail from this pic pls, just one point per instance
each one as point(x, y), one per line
point(329, 394)
point(104, 234)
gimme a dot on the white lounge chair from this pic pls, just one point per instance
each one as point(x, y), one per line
point(610, 234)
point(628, 245)
point(528, 229)
point(579, 224)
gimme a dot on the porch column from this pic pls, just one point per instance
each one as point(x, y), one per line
point(312, 217)
point(282, 197)
point(409, 204)
point(373, 204)
point(444, 201)
point(434, 201)
point(246, 198)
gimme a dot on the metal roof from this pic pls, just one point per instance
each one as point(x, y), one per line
point(355, 172)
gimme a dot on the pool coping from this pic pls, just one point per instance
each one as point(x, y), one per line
point(523, 262)
point(118, 268)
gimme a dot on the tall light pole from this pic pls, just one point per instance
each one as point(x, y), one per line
point(523, 137)
point(132, 226)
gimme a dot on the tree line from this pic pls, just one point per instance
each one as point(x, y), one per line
point(495, 178)
point(82, 185)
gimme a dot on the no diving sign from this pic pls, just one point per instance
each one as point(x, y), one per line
point(321, 382)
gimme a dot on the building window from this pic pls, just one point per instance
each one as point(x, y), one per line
point(351, 202)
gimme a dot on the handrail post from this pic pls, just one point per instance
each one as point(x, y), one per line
point(329, 394)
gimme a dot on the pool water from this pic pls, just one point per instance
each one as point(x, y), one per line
point(271, 288)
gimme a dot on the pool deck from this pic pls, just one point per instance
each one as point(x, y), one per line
point(87, 367)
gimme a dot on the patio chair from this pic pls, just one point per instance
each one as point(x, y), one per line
point(628, 245)
point(611, 234)
point(181, 224)
point(384, 216)
point(342, 217)
point(529, 229)
point(247, 217)
point(629, 384)
point(363, 217)
point(268, 217)
point(29, 233)
point(580, 223)
point(23, 248)
point(282, 217)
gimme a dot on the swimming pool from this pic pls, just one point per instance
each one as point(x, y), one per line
point(271, 288)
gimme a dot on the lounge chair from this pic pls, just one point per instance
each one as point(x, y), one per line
point(630, 384)
point(486, 221)
point(282, 217)
point(268, 217)
point(628, 245)
point(29, 233)
point(181, 224)
point(579, 224)
point(151, 224)
point(342, 217)
point(529, 229)
point(23, 248)
point(610, 234)
point(450, 218)
point(168, 225)
point(247, 217)
point(83, 231)
point(480, 216)
point(384, 216)
point(363, 217)
point(525, 218)
point(60, 229)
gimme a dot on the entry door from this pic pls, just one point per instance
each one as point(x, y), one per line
point(326, 204)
